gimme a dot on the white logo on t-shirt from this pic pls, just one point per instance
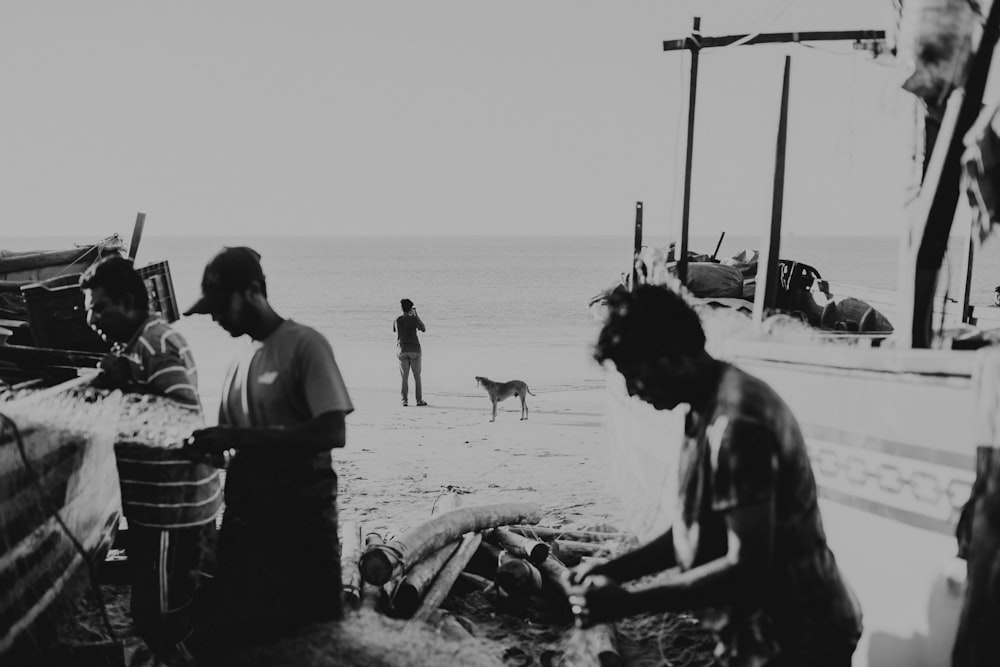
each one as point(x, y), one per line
point(267, 378)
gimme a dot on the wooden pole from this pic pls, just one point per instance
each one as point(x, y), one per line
point(411, 588)
point(596, 645)
point(519, 545)
point(381, 563)
point(449, 573)
point(694, 45)
point(636, 244)
point(767, 264)
point(140, 222)
point(573, 550)
point(350, 554)
point(940, 215)
point(549, 534)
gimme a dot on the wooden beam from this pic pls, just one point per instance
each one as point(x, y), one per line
point(696, 42)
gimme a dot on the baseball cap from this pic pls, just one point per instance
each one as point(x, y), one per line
point(230, 270)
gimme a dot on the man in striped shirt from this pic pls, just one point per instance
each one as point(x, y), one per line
point(170, 503)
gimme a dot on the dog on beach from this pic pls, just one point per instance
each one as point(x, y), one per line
point(499, 391)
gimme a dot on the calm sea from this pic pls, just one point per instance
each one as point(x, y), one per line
point(483, 299)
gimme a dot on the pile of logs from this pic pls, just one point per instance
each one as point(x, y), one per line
point(498, 548)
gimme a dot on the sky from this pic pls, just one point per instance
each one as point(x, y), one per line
point(438, 117)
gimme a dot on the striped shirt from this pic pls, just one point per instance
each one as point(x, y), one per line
point(161, 489)
point(162, 364)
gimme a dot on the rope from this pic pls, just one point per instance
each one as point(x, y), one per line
point(9, 425)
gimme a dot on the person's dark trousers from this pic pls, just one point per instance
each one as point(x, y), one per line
point(167, 570)
point(275, 574)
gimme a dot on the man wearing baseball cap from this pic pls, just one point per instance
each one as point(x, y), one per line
point(282, 412)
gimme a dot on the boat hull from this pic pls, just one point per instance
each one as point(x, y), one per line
point(890, 435)
point(59, 506)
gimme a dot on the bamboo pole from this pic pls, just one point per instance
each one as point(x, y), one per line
point(449, 573)
point(411, 587)
point(549, 534)
point(381, 562)
point(350, 554)
point(519, 545)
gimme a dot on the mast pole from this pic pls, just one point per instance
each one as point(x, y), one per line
point(637, 244)
point(767, 263)
point(693, 44)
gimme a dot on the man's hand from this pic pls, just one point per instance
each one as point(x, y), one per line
point(116, 372)
point(598, 600)
point(215, 445)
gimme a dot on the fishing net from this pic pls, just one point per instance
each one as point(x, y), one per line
point(60, 492)
point(60, 502)
point(643, 446)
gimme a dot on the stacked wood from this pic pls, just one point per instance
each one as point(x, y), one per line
point(350, 554)
point(380, 563)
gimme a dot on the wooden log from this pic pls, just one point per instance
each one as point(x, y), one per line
point(519, 545)
point(350, 555)
point(408, 592)
point(380, 563)
point(572, 551)
point(549, 534)
point(445, 502)
point(596, 645)
point(485, 561)
point(517, 576)
point(449, 573)
point(554, 572)
point(371, 595)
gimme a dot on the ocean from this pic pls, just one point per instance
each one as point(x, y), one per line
point(482, 298)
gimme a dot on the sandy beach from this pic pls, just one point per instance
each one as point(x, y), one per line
point(397, 464)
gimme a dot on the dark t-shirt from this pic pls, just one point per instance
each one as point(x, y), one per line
point(750, 449)
point(406, 327)
point(288, 378)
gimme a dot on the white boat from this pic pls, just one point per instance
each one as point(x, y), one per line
point(890, 428)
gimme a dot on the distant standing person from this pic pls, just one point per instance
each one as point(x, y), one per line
point(282, 412)
point(170, 504)
point(408, 350)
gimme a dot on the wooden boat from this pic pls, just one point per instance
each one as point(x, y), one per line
point(889, 423)
point(60, 499)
